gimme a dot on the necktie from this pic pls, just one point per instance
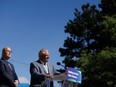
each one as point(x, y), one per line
point(9, 65)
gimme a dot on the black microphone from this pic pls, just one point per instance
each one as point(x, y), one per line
point(61, 70)
point(58, 63)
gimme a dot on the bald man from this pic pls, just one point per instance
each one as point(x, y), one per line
point(8, 76)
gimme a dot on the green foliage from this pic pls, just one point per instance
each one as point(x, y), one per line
point(108, 7)
point(100, 67)
point(83, 31)
point(110, 30)
point(91, 44)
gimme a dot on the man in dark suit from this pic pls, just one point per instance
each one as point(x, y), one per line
point(8, 77)
point(41, 70)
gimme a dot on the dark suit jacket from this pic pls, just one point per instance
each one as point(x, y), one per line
point(7, 74)
point(38, 73)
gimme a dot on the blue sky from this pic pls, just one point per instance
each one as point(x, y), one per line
point(30, 25)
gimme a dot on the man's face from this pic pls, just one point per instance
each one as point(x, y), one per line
point(45, 56)
point(7, 53)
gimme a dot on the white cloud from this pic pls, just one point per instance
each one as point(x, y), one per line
point(23, 80)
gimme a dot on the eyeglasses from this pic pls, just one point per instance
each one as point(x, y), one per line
point(45, 55)
point(8, 51)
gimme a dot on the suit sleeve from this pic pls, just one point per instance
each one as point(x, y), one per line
point(4, 76)
point(14, 73)
point(36, 71)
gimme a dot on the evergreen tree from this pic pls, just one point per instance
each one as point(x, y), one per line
point(99, 68)
point(84, 31)
point(91, 44)
point(108, 7)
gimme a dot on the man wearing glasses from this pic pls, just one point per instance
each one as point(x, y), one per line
point(8, 76)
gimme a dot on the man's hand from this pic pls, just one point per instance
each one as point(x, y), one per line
point(16, 82)
point(49, 76)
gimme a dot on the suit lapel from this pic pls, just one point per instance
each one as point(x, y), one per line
point(43, 69)
point(9, 65)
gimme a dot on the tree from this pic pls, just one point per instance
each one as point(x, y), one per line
point(100, 67)
point(108, 7)
point(91, 42)
point(84, 31)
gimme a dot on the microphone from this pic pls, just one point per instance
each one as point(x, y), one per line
point(61, 70)
point(58, 63)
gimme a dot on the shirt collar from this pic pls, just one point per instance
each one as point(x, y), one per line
point(43, 62)
point(5, 59)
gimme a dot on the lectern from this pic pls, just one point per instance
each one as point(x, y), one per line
point(70, 78)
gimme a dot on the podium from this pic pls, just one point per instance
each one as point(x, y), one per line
point(71, 78)
point(61, 77)
point(63, 81)
point(58, 79)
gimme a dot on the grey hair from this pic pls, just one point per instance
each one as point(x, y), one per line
point(41, 52)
